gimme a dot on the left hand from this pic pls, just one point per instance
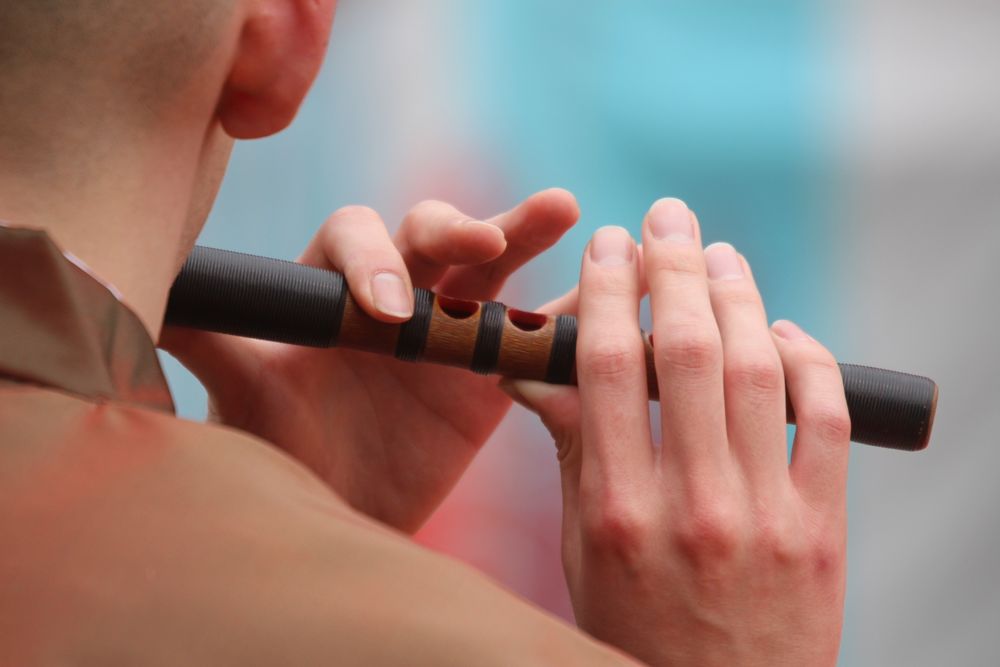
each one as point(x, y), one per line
point(708, 547)
point(390, 437)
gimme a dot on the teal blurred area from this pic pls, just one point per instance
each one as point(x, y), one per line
point(721, 104)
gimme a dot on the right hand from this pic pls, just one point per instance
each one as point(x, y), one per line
point(709, 549)
point(383, 433)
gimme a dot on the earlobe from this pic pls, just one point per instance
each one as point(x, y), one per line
point(278, 54)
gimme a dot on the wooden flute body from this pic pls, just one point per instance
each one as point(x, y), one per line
point(257, 297)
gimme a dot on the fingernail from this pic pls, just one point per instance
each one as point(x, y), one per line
point(478, 224)
point(670, 220)
point(723, 262)
point(790, 331)
point(509, 387)
point(611, 246)
point(391, 295)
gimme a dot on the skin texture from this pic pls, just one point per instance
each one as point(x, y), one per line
point(735, 556)
point(707, 549)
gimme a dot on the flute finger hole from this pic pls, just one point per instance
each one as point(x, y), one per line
point(526, 321)
point(457, 309)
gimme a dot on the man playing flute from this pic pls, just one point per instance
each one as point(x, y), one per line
point(278, 533)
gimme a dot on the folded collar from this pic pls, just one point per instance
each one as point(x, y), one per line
point(61, 327)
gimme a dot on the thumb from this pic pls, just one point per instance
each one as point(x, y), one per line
point(559, 408)
point(215, 359)
point(557, 405)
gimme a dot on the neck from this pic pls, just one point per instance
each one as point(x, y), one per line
point(129, 208)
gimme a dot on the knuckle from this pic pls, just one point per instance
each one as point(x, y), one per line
point(736, 293)
point(619, 530)
point(352, 214)
point(680, 262)
point(691, 350)
point(823, 362)
point(759, 373)
point(709, 534)
point(423, 210)
point(611, 286)
point(815, 360)
point(610, 359)
point(826, 557)
point(781, 543)
point(828, 420)
point(355, 270)
point(609, 294)
point(370, 257)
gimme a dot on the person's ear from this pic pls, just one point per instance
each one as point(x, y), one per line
point(278, 54)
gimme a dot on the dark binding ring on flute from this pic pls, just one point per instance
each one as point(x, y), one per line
point(270, 299)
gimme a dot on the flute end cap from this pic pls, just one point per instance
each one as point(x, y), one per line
point(932, 412)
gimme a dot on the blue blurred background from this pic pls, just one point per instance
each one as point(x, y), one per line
point(850, 150)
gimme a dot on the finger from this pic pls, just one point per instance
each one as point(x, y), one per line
point(754, 384)
point(215, 359)
point(616, 446)
point(823, 425)
point(688, 346)
point(568, 303)
point(530, 228)
point(557, 405)
point(355, 242)
point(559, 409)
point(434, 236)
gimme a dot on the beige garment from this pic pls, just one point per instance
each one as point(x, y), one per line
point(128, 536)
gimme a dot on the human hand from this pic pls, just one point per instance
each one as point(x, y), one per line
point(709, 549)
point(390, 437)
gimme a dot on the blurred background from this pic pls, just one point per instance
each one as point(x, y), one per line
point(851, 150)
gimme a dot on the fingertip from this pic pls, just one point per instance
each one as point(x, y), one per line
point(669, 202)
point(531, 393)
point(668, 206)
point(478, 242)
point(555, 404)
point(512, 389)
point(556, 204)
point(612, 246)
point(670, 220)
point(788, 330)
point(562, 193)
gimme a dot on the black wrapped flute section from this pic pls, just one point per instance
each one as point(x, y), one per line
point(257, 297)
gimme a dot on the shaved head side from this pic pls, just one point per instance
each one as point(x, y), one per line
point(53, 52)
point(81, 67)
point(146, 43)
